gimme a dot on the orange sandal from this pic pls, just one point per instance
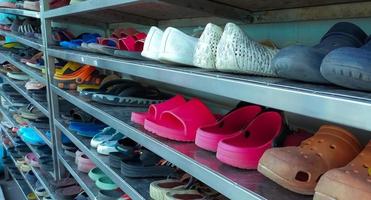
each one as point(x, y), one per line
point(300, 168)
point(350, 182)
point(85, 75)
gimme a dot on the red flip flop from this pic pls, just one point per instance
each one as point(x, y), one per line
point(230, 125)
point(245, 150)
point(155, 110)
point(132, 43)
point(182, 122)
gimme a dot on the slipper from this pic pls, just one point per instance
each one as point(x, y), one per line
point(83, 38)
point(349, 67)
point(155, 110)
point(238, 53)
point(146, 166)
point(300, 168)
point(349, 182)
point(182, 122)
point(130, 95)
point(152, 43)
point(303, 63)
point(177, 47)
point(108, 146)
point(107, 83)
point(30, 136)
point(246, 148)
point(103, 136)
point(86, 129)
point(68, 69)
point(30, 112)
point(208, 137)
point(207, 45)
point(20, 76)
point(158, 189)
point(193, 191)
point(131, 46)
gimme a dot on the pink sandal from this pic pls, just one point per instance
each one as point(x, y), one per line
point(155, 110)
point(230, 125)
point(181, 123)
point(245, 150)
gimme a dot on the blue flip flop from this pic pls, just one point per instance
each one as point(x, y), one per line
point(86, 129)
point(83, 38)
point(30, 136)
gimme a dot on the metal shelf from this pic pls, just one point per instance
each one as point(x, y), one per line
point(26, 69)
point(23, 186)
point(82, 178)
point(19, 86)
point(328, 103)
point(16, 11)
point(201, 164)
point(28, 41)
point(7, 99)
point(137, 189)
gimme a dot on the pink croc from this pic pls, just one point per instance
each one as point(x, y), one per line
point(244, 150)
point(155, 110)
point(181, 123)
point(230, 125)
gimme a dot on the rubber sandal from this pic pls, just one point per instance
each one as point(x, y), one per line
point(95, 174)
point(303, 63)
point(103, 136)
point(30, 136)
point(131, 46)
point(31, 196)
point(195, 191)
point(349, 182)
point(207, 45)
point(146, 166)
point(158, 189)
point(107, 83)
point(20, 76)
point(245, 149)
point(82, 195)
point(238, 53)
point(105, 183)
point(81, 72)
point(230, 125)
point(182, 122)
point(300, 168)
point(83, 38)
point(130, 95)
point(152, 43)
point(106, 147)
point(169, 51)
point(109, 194)
point(86, 129)
point(69, 68)
point(84, 164)
point(30, 112)
point(99, 48)
point(68, 193)
point(65, 182)
point(155, 110)
point(348, 67)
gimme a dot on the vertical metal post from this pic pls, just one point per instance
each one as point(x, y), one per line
point(46, 28)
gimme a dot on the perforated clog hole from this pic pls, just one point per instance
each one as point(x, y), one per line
point(302, 176)
point(365, 166)
point(332, 147)
point(319, 155)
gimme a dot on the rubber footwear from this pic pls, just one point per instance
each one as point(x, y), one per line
point(230, 125)
point(239, 53)
point(104, 135)
point(303, 63)
point(349, 182)
point(177, 47)
point(155, 110)
point(182, 122)
point(299, 168)
point(349, 67)
point(158, 189)
point(245, 150)
point(205, 52)
point(30, 136)
point(109, 146)
point(152, 43)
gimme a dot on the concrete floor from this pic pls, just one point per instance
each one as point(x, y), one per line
point(10, 189)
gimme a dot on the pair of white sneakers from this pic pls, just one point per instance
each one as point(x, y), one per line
point(230, 50)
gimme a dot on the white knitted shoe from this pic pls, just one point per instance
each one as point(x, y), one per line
point(238, 53)
point(205, 52)
point(152, 43)
point(177, 47)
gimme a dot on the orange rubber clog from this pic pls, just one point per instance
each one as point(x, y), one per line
point(300, 168)
point(350, 182)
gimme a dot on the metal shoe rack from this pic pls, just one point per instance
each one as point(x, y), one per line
point(322, 102)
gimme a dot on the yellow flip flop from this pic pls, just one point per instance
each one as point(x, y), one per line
point(72, 66)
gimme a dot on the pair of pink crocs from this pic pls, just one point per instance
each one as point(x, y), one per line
point(175, 119)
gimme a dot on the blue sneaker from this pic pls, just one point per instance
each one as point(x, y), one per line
point(349, 67)
point(303, 63)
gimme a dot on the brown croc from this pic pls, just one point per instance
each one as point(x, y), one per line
point(300, 168)
point(350, 182)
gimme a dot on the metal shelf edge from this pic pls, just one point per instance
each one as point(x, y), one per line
point(22, 12)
